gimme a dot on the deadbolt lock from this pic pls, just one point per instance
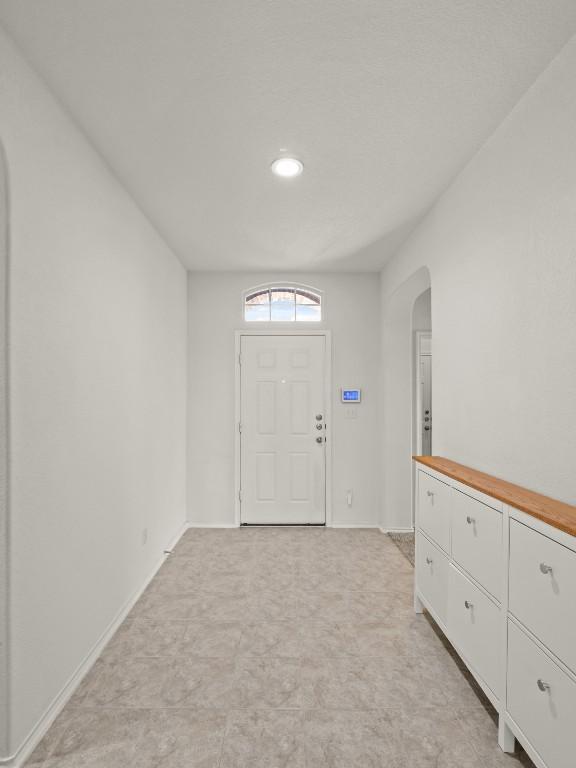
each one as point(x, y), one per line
point(319, 439)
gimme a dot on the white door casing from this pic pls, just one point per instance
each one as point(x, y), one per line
point(282, 430)
point(423, 363)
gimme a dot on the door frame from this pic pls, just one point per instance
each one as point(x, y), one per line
point(420, 337)
point(328, 410)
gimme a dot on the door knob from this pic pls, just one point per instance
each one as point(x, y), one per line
point(318, 417)
point(426, 428)
point(319, 439)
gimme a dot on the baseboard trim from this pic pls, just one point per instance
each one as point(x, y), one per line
point(211, 525)
point(38, 732)
point(353, 525)
point(397, 530)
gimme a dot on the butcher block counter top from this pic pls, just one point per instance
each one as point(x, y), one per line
point(555, 513)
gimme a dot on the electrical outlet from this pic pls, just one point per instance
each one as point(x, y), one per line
point(144, 536)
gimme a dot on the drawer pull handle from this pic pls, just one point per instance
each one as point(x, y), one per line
point(542, 685)
point(429, 560)
point(470, 520)
point(468, 605)
point(545, 568)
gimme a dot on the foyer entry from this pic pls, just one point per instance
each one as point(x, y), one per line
point(282, 429)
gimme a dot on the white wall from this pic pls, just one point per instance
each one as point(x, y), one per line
point(97, 378)
point(501, 249)
point(215, 312)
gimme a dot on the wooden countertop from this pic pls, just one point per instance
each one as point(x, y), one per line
point(555, 513)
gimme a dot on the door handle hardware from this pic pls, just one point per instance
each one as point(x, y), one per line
point(542, 685)
point(319, 439)
point(318, 417)
point(545, 568)
point(318, 426)
point(468, 605)
point(430, 494)
point(470, 520)
point(427, 428)
point(429, 560)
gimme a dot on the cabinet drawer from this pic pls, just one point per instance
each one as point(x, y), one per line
point(432, 575)
point(546, 717)
point(434, 509)
point(477, 541)
point(474, 626)
point(544, 600)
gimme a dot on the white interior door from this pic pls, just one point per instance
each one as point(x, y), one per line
point(426, 404)
point(282, 440)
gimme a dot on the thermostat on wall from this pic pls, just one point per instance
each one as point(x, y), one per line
point(351, 395)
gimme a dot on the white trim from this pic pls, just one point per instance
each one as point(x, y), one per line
point(417, 408)
point(211, 525)
point(327, 398)
point(397, 530)
point(355, 525)
point(4, 461)
point(61, 699)
point(419, 336)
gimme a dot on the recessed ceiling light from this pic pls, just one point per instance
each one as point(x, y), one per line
point(287, 167)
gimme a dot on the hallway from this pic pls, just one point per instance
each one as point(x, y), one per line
point(276, 648)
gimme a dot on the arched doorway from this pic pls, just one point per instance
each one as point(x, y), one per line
point(400, 310)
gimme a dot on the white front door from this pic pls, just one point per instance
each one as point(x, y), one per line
point(282, 440)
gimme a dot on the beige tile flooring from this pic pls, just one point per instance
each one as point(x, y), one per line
point(277, 648)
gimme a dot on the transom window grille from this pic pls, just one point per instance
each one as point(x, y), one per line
point(283, 304)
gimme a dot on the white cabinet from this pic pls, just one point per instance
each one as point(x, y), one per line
point(502, 585)
point(541, 700)
point(432, 571)
point(459, 556)
point(477, 541)
point(474, 627)
point(434, 509)
point(542, 590)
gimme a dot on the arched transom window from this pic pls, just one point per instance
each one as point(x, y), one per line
point(284, 304)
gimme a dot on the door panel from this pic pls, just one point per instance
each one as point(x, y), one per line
point(283, 466)
point(300, 408)
point(266, 407)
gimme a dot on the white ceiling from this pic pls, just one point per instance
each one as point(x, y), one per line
point(189, 101)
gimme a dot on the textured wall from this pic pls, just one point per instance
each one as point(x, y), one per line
point(215, 312)
point(501, 249)
point(97, 381)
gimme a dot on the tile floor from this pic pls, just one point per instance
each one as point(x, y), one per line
point(277, 648)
